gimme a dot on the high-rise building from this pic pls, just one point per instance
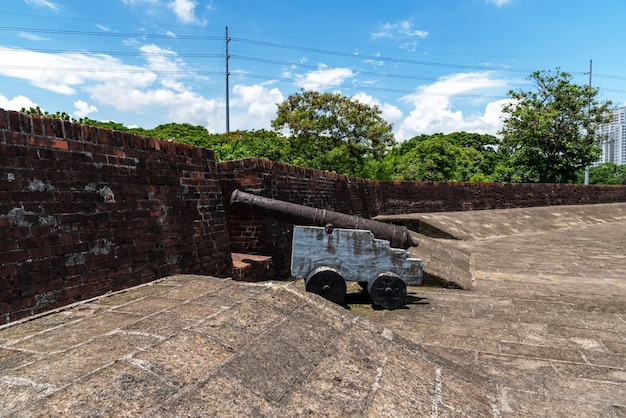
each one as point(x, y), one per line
point(613, 136)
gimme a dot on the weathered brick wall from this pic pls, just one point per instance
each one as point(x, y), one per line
point(415, 197)
point(85, 210)
point(262, 235)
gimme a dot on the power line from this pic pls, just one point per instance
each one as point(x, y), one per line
point(109, 34)
point(381, 59)
point(166, 53)
point(275, 45)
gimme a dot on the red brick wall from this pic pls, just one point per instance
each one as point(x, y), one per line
point(84, 211)
point(415, 197)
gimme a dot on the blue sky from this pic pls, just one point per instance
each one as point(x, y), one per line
point(431, 66)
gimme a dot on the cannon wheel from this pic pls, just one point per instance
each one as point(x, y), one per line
point(327, 283)
point(387, 291)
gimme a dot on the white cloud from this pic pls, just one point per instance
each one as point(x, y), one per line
point(403, 28)
point(390, 113)
point(31, 36)
point(16, 103)
point(134, 2)
point(42, 3)
point(63, 73)
point(433, 110)
point(156, 88)
point(375, 63)
point(402, 32)
point(253, 107)
point(161, 59)
point(185, 11)
point(83, 108)
point(498, 2)
point(323, 77)
point(103, 28)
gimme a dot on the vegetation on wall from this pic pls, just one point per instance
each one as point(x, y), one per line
point(549, 135)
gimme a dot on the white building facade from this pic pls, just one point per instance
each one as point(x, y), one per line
point(614, 138)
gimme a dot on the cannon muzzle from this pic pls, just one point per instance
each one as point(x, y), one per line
point(398, 236)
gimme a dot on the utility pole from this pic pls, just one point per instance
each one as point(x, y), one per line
point(227, 87)
point(589, 111)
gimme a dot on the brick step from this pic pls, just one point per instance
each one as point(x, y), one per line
point(252, 267)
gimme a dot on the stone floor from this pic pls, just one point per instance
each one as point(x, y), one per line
point(543, 333)
point(202, 346)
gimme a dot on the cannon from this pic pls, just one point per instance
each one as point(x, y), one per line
point(398, 236)
point(330, 248)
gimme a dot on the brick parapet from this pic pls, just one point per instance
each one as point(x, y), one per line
point(86, 210)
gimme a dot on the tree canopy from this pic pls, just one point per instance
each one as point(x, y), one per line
point(550, 131)
point(607, 173)
point(333, 132)
point(459, 156)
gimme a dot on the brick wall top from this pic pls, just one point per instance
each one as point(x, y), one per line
point(54, 133)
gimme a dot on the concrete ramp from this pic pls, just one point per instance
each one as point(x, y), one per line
point(201, 346)
point(487, 224)
point(447, 240)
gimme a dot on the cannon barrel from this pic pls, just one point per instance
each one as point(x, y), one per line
point(398, 236)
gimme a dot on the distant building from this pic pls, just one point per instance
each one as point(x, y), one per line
point(614, 138)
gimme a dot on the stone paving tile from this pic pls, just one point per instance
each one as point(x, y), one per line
point(363, 345)
point(409, 386)
point(45, 323)
point(551, 407)
point(119, 390)
point(75, 333)
point(222, 396)
point(147, 305)
point(65, 367)
point(457, 398)
point(19, 394)
point(615, 347)
point(190, 289)
point(605, 359)
point(586, 390)
point(266, 371)
point(281, 300)
point(390, 405)
point(185, 357)
point(540, 352)
point(231, 295)
point(121, 298)
point(240, 325)
point(592, 372)
point(338, 380)
point(163, 324)
point(14, 359)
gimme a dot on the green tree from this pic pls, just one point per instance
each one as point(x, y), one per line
point(106, 124)
point(607, 173)
point(261, 144)
point(550, 131)
point(333, 132)
point(39, 111)
point(182, 132)
point(458, 156)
